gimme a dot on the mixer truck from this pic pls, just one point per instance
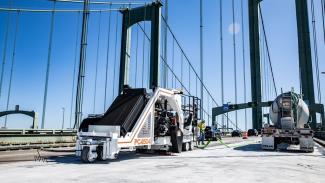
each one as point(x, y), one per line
point(290, 129)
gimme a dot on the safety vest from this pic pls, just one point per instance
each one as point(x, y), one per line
point(201, 126)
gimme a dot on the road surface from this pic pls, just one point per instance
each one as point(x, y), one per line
point(241, 161)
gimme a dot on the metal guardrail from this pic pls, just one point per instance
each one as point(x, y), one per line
point(13, 139)
point(36, 132)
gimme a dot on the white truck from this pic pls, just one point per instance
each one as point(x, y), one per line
point(163, 120)
point(290, 129)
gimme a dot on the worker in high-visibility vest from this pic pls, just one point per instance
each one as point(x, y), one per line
point(202, 131)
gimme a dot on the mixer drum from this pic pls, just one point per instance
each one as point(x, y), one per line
point(301, 112)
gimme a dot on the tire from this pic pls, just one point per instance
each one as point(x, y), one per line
point(186, 146)
point(177, 140)
point(191, 144)
point(85, 155)
point(100, 153)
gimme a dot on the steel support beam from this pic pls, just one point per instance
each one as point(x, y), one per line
point(132, 16)
point(235, 107)
point(305, 60)
point(255, 62)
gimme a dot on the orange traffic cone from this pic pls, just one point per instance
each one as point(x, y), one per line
point(245, 136)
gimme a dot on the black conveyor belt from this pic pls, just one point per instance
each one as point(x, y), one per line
point(124, 111)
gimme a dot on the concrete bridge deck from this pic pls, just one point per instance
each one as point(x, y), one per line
point(242, 161)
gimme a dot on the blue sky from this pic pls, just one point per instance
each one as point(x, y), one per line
point(32, 49)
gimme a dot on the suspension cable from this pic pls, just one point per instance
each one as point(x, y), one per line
point(173, 65)
point(74, 67)
point(165, 75)
point(136, 57)
point(5, 45)
point(235, 57)
point(188, 61)
point(244, 60)
point(221, 57)
point(267, 47)
point(189, 78)
point(82, 65)
point(96, 65)
point(143, 43)
point(12, 65)
point(49, 54)
point(316, 50)
point(182, 85)
point(115, 55)
point(323, 17)
point(182, 69)
point(107, 57)
point(201, 50)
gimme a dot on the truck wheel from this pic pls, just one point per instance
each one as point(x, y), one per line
point(100, 153)
point(186, 146)
point(177, 140)
point(85, 155)
point(191, 144)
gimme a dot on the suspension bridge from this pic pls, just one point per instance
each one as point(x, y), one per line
point(64, 61)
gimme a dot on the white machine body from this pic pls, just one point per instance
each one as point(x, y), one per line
point(142, 134)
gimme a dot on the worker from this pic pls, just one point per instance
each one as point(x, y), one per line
point(202, 133)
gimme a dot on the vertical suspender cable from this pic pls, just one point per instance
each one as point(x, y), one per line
point(5, 49)
point(221, 59)
point(48, 65)
point(196, 86)
point(182, 71)
point(12, 64)
point(323, 17)
point(316, 50)
point(82, 64)
point(143, 43)
point(261, 65)
point(148, 56)
point(97, 58)
point(136, 57)
point(165, 76)
point(189, 78)
point(173, 64)
point(235, 57)
point(244, 59)
point(107, 55)
point(74, 68)
point(201, 52)
point(208, 99)
point(115, 55)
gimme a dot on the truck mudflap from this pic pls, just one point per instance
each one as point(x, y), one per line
point(268, 143)
point(306, 144)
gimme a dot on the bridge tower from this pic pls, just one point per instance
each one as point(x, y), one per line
point(256, 90)
point(305, 60)
point(132, 16)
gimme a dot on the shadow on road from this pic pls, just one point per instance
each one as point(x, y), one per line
point(257, 148)
point(249, 147)
point(72, 159)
